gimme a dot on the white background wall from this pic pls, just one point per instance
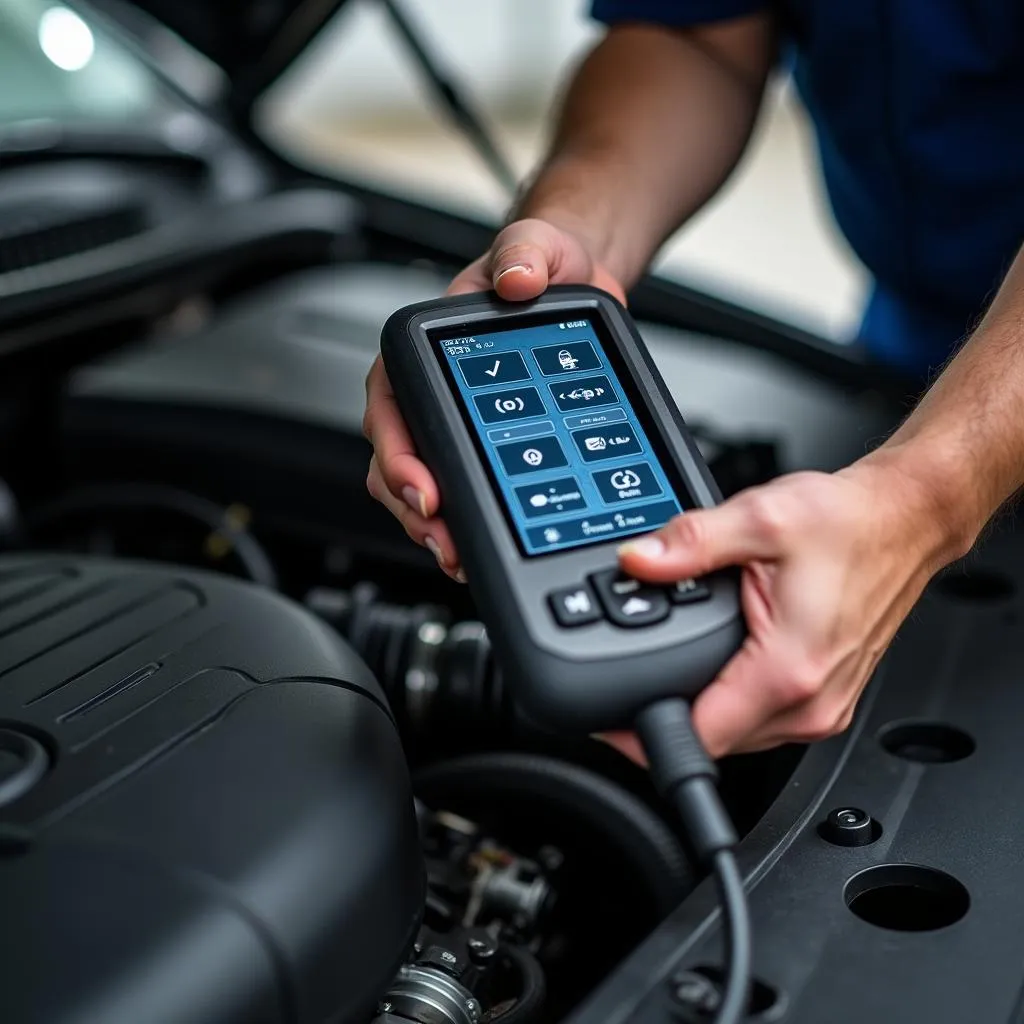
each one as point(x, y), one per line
point(501, 49)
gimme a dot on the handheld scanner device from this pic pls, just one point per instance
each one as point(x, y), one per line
point(553, 439)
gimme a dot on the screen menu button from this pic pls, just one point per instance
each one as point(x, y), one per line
point(513, 404)
point(595, 419)
point(609, 442)
point(503, 368)
point(583, 393)
point(568, 358)
point(551, 497)
point(532, 456)
point(627, 483)
point(604, 526)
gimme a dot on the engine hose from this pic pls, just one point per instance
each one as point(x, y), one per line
point(218, 520)
point(532, 990)
point(472, 681)
point(625, 823)
point(432, 671)
point(399, 644)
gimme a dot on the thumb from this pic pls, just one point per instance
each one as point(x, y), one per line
point(475, 278)
point(699, 542)
point(530, 254)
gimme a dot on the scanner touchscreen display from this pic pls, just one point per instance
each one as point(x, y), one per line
point(568, 455)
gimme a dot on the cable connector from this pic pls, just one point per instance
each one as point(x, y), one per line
point(686, 777)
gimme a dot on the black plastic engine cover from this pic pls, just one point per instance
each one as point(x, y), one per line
point(224, 830)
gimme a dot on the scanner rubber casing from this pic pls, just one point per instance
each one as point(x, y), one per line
point(588, 678)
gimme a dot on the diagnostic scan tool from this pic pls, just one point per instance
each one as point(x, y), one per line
point(553, 439)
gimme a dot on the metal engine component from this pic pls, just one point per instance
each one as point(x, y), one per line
point(427, 995)
point(514, 892)
point(484, 884)
point(484, 911)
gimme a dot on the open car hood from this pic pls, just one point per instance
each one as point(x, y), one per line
point(251, 41)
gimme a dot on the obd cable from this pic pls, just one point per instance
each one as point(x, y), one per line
point(686, 777)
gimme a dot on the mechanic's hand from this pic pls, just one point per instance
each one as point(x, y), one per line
point(832, 564)
point(526, 257)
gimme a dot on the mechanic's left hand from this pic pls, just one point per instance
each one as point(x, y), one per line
point(832, 564)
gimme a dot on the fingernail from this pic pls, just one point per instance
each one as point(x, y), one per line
point(646, 547)
point(461, 576)
point(516, 268)
point(415, 500)
point(435, 549)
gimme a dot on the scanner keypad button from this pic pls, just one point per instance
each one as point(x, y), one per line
point(628, 602)
point(689, 591)
point(574, 606)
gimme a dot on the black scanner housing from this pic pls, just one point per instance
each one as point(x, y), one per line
point(591, 678)
point(223, 831)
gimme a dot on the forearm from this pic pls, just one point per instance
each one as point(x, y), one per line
point(651, 126)
point(965, 441)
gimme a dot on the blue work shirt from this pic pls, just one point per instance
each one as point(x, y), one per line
point(919, 110)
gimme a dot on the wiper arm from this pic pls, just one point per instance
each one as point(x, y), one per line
point(451, 98)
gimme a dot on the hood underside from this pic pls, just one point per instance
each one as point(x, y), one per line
point(252, 41)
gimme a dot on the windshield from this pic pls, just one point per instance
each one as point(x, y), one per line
point(55, 63)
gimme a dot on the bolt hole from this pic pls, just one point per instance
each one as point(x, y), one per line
point(907, 898)
point(766, 1003)
point(979, 586)
point(927, 742)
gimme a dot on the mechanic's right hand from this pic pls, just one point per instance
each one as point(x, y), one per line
point(526, 257)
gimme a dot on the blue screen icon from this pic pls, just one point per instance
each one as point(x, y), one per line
point(568, 358)
point(611, 442)
point(503, 368)
point(514, 404)
point(627, 483)
point(535, 456)
point(583, 393)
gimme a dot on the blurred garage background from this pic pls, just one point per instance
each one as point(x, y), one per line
point(357, 106)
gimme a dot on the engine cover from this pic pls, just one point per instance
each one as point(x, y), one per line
point(205, 812)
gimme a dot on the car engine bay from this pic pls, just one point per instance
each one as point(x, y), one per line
point(233, 452)
point(256, 759)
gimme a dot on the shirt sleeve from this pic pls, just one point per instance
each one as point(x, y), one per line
point(677, 13)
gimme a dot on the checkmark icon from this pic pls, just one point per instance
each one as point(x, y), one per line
point(493, 372)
